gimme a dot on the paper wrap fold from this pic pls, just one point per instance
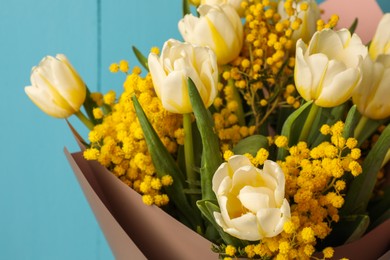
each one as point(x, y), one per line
point(136, 231)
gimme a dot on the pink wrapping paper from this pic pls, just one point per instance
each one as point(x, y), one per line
point(368, 13)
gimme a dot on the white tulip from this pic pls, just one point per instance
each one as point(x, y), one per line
point(328, 70)
point(56, 88)
point(218, 27)
point(251, 200)
point(309, 19)
point(380, 44)
point(372, 95)
point(236, 4)
point(170, 72)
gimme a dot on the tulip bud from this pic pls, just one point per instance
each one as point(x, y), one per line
point(371, 96)
point(170, 72)
point(308, 17)
point(380, 44)
point(329, 68)
point(56, 88)
point(236, 4)
point(218, 27)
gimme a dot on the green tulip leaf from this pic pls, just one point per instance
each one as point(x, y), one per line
point(293, 126)
point(211, 155)
point(370, 126)
point(89, 105)
point(141, 58)
point(251, 145)
point(379, 210)
point(350, 122)
point(164, 164)
point(186, 7)
point(362, 186)
point(353, 26)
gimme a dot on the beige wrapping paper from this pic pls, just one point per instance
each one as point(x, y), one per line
point(134, 230)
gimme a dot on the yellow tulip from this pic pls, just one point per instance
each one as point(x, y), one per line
point(329, 68)
point(218, 27)
point(56, 88)
point(380, 44)
point(308, 17)
point(236, 4)
point(178, 62)
point(251, 200)
point(373, 93)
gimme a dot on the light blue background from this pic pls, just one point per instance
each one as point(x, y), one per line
point(43, 213)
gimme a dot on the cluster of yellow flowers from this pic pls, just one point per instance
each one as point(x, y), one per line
point(314, 187)
point(267, 57)
point(263, 72)
point(118, 142)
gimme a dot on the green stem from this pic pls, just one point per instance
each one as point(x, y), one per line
point(240, 111)
point(359, 127)
point(387, 158)
point(84, 120)
point(189, 150)
point(309, 122)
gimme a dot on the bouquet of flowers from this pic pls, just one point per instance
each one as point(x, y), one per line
point(265, 131)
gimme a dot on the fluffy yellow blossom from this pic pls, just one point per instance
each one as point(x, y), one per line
point(227, 154)
point(166, 180)
point(97, 113)
point(309, 250)
point(261, 156)
point(120, 143)
point(147, 199)
point(124, 66)
point(109, 97)
point(230, 250)
point(284, 247)
point(155, 50)
point(281, 141)
point(249, 250)
point(91, 154)
point(289, 227)
point(355, 153)
point(328, 252)
point(114, 67)
point(355, 168)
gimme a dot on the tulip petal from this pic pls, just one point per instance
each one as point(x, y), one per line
point(238, 161)
point(318, 64)
point(378, 107)
point(219, 175)
point(50, 92)
point(343, 84)
point(326, 41)
point(302, 73)
point(380, 43)
point(42, 99)
point(271, 220)
point(276, 171)
point(65, 81)
point(256, 198)
point(157, 72)
point(245, 227)
point(174, 96)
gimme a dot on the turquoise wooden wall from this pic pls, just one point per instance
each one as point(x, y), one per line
point(43, 213)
